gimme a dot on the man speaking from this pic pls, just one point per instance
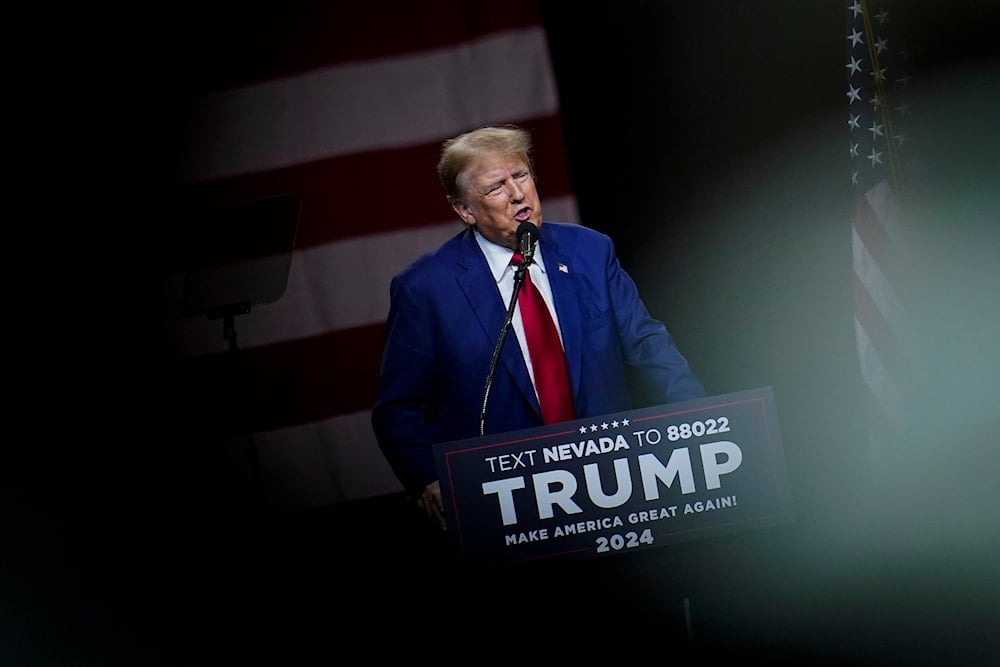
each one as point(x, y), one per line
point(585, 341)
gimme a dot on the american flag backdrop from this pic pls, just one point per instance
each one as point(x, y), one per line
point(342, 110)
point(877, 111)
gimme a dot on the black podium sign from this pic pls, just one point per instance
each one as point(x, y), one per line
point(618, 483)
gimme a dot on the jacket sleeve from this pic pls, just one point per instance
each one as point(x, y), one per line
point(658, 370)
point(401, 415)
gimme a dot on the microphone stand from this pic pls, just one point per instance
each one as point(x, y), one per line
point(519, 274)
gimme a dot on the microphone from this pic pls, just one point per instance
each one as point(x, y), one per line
point(527, 236)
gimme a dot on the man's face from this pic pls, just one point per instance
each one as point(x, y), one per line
point(499, 195)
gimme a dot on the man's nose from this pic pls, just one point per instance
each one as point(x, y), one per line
point(515, 191)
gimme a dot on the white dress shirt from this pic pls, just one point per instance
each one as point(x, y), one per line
point(498, 257)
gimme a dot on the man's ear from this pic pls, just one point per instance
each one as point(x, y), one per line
point(464, 211)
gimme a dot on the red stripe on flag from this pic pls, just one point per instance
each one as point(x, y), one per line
point(878, 244)
point(345, 197)
point(886, 344)
point(283, 385)
point(269, 40)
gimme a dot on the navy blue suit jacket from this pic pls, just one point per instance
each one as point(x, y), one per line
point(445, 318)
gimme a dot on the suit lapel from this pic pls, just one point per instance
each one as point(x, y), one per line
point(477, 282)
point(560, 271)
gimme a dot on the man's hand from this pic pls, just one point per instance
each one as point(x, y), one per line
point(432, 505)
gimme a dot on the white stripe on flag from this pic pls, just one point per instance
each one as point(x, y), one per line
point(308, 466)
point(372, 105)
point(880, 290)
point(887, 209)
point(878, 379)
point(330, 288)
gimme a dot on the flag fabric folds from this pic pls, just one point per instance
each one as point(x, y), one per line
point(343, 110)
point(877, 111)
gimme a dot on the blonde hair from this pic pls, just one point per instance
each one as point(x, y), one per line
point(458, 152)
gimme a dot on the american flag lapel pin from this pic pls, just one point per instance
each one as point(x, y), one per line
point(562, 267)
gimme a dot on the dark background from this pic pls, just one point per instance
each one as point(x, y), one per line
point(709, 139)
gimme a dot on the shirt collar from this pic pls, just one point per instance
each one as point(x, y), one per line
point(498, 256)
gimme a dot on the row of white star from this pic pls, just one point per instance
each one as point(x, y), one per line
point(604, 426)
point(882, 16)
point(854, 95)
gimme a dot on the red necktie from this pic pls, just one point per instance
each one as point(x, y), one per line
point(547, 358)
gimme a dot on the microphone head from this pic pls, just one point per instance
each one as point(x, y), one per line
point(526, 228)
point(527, 234)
